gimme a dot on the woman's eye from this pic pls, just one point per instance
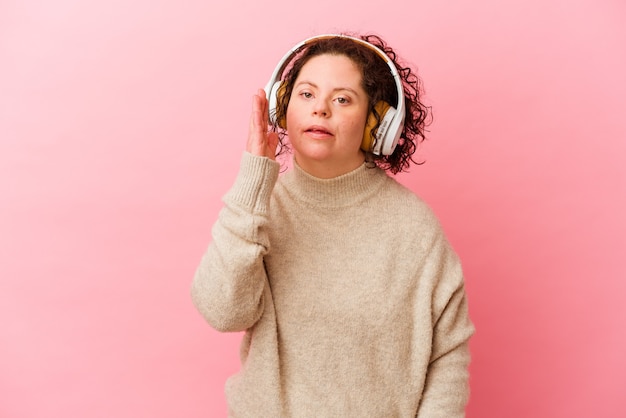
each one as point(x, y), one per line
point(306, 94)
point(343, 100)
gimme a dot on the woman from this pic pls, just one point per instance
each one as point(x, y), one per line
point(351, 299)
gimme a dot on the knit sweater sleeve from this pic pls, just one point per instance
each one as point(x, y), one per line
point(229, 282)
point(446, 390)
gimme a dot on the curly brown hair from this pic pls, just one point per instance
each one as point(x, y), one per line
point(379, 85)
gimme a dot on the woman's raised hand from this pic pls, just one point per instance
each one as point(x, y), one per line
point(260, 141)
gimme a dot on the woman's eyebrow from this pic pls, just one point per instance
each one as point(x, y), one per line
point(310, 83)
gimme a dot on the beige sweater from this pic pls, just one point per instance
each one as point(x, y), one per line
point(351, 299)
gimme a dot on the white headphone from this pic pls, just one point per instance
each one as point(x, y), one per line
point(386, 137)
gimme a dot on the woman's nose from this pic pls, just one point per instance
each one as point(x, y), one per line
point(320, 108)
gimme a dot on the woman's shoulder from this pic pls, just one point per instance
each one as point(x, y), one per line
point(409, 209)
point(406, 197)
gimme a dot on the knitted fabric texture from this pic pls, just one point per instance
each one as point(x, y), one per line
point(350, 296)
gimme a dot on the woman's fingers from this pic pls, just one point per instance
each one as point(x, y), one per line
point(262, 100)
point(260, 142)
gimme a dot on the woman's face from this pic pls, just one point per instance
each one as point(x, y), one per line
point(326, 116)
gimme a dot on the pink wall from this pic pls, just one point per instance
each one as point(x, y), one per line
point(122, 123)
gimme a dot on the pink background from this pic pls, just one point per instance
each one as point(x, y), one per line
point(122, 124)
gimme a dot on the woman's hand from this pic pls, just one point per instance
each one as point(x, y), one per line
point(260, 141)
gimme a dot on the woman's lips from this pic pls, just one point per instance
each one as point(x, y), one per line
point(318, 132)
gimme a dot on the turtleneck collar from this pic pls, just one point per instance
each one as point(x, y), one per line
point(345, 190)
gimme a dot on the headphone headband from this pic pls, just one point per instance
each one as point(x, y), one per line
point(391, 125)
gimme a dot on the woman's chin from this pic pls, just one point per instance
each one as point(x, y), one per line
point(313, 152)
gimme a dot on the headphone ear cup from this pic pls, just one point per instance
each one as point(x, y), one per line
point(275, 96)
point(372, 139)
